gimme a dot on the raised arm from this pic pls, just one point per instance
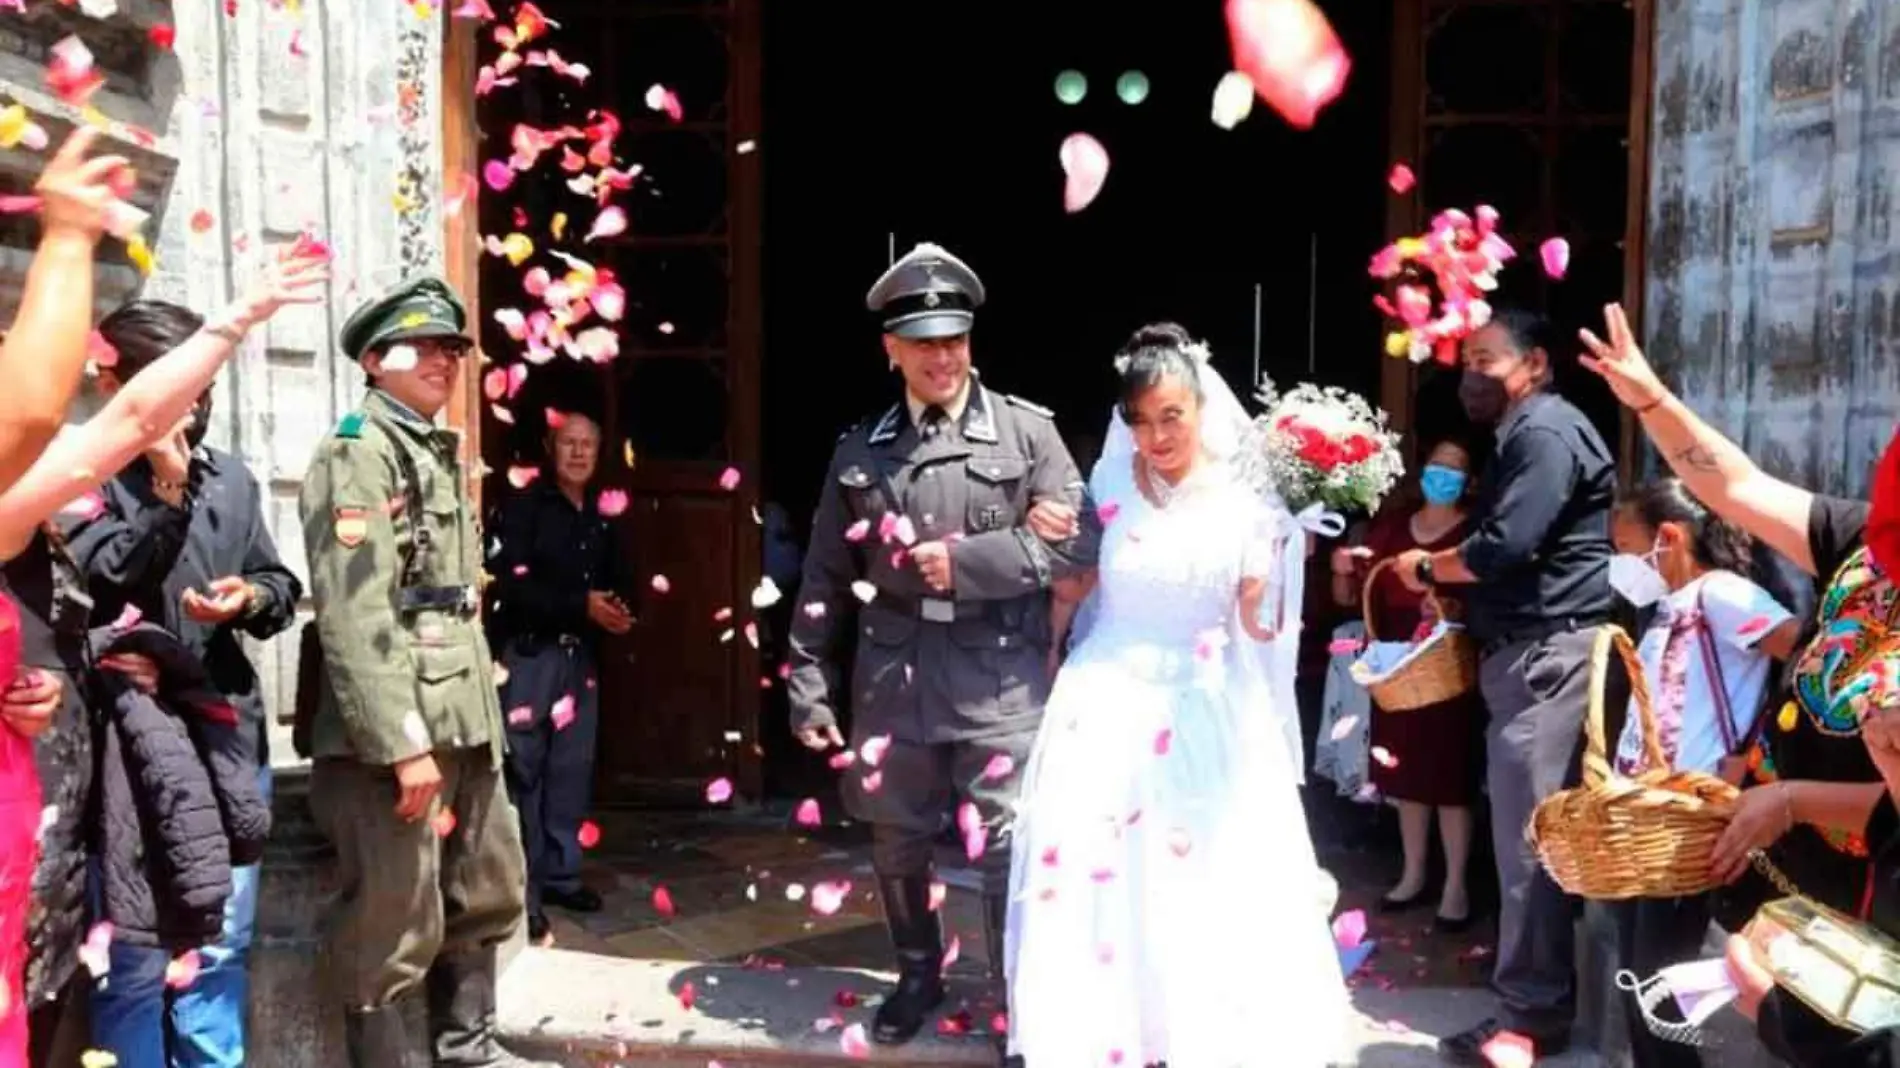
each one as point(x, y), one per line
point(44, 353)
point(1713, 468)
point(150, 403)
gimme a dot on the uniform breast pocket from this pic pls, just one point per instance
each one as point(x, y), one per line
point(995, 492)
point(862, 493)
point(881, 671)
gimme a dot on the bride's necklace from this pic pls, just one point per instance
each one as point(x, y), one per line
point(1160, 490)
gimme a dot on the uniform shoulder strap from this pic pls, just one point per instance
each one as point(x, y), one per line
point(1028, 406)
point(351, 425)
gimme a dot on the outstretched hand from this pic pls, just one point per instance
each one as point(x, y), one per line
point(1621, 363)
point(75, 192)
point(292, 274)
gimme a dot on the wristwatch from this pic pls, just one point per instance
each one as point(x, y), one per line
point(1424, 572)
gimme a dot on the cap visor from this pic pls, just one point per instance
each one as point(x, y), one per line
point(945, 324)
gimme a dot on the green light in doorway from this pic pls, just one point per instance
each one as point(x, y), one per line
point(1132, 87)
point(1071, 87)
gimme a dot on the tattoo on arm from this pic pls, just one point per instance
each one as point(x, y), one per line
point(1699, 457)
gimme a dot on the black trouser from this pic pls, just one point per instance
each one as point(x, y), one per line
point(1652, 934)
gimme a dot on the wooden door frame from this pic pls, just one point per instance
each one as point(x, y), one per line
point(1398, 379)
point(461, 234)
point(462, 259)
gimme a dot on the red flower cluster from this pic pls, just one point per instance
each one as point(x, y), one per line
point(1323, 452)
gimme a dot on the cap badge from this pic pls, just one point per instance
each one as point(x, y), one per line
point(931, 300)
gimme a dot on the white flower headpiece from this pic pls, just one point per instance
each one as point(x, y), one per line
point(1197, 352)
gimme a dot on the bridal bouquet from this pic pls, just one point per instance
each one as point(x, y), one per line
point(1320, 445)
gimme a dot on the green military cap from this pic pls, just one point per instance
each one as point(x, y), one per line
point(421, 307)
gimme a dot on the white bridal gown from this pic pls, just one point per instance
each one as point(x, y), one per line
point(1164, 897)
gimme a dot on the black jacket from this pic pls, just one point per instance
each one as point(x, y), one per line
point(179, 803)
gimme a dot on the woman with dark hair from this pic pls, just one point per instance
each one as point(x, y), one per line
point(1706, 658)
point(1161, 853)
point(1433, 755)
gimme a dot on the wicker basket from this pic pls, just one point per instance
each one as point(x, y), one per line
point(1615, 838)
point(1446, 667)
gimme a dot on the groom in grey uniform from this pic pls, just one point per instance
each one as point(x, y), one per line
point(922, 545)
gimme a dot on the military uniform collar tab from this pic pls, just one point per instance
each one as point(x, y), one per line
point(979, 416)
point(888, 426)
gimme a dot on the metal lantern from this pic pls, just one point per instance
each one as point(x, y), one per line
point(1843, 969)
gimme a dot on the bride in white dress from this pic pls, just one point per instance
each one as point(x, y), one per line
point(1164, 897)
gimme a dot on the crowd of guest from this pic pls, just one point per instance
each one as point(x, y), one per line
point(1527, 545)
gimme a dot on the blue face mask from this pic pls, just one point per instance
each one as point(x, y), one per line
point(1442, 485)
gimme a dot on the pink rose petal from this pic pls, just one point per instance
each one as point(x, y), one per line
point(1085, 169)
point(858, 531)
point(498, 175)
point(589, 834)
point(182, 971)
point(808, 814)
point(999, 767)
point(1384, 757)
point(1401, 179)
point(873, 749)
point(1164, 739)
point(828, 897)
point(663, 902)
point(938, 892)
point(719, 791)
point(1556, 256)
point(852, 1042)
point(1349, 929)
point(563, 712)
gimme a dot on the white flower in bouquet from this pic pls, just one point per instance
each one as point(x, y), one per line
point(1321, 445)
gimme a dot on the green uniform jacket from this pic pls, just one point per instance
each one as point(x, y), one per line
point(397, 682)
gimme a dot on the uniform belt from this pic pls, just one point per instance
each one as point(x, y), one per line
point(565, 641)
point(930, 609)
point(437, 598)
point(1537, 632)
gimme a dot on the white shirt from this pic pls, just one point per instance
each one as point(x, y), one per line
point(1738, 614)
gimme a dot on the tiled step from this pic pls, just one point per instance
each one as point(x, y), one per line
point(584, 1010)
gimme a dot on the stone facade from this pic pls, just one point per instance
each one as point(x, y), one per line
point(1772, 300)
point(267, 122)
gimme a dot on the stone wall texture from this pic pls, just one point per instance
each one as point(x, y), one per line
point(1773, 300)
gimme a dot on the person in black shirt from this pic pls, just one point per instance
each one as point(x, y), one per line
point(181, 538)
point(556, 590)
point(1534, 574)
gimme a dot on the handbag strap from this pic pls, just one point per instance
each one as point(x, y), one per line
point(1712, 667)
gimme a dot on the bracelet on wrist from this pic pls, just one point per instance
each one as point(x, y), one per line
point(1652, 405)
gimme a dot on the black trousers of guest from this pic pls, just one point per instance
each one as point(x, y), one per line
point(1652, 934)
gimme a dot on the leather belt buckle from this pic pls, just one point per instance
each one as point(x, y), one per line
point(937, 610)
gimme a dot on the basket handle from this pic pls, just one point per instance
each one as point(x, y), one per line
point(1596, 761)
point(1365, 597)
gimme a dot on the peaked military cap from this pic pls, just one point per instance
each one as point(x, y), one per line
point(927, 293)
point(422, 307)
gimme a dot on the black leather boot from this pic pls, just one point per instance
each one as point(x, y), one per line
point(995, 922)
point(918, 939)
point(376, 1038)
point(461, 989)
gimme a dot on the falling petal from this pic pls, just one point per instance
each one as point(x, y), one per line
point(864, 591)
point(999, 767)
point(589, 834)
point(1344, 726)
point(807, 814)
point(1349, 929)
point(1753, 626)
point(841, 761)
point(1401, 179)
point(872, 782)
point(663, 902)
point(852, 1042)
point(1233, 100)
point(952, 952)
point(1180, 842)
point(521, 474)
point(729, 479)
point(498, 175)
point(661, 584)
point(660, 98)
point(1289, 51)
point(1085, 167)
point(1509, 1050)
point(96, 952)
point(858, 531)
point(827, 898)
point(1556, 256)
point(719, 791)
point(612, 502)
point(687, 996)
point(521, 716)
point(1383, 757)
point(874, 748)
point(1164, 739)
point(938, 891)
point(767, 594)
point(975, 843)
point(563, 712)
point(611, 222)
point(129, 617)
point(182, 971)
point(163, 36)
point(1343, 647)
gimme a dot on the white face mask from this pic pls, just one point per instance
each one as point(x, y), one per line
point(1636, 580)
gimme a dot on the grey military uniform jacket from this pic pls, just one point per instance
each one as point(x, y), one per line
point(930, 668)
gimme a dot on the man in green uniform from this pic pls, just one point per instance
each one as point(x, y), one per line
point(407, 731)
